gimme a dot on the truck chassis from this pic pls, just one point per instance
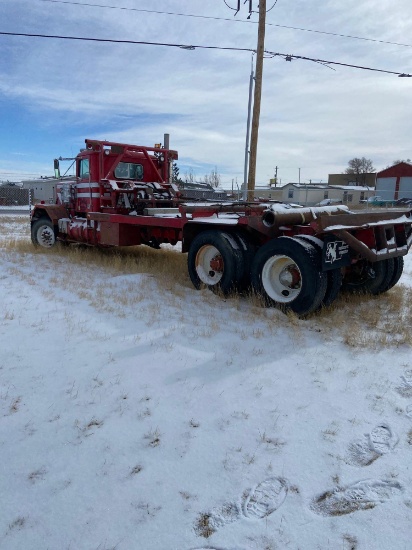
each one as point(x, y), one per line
point(297, 259)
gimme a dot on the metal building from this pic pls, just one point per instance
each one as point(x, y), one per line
point(395, 182)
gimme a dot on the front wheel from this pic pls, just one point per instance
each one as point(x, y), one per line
point(42, 233)
point(287, 273)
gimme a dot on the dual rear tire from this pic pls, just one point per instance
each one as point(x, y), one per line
point(373, 278)
point(286, 272)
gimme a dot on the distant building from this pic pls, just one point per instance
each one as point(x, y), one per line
point(395, 182)
point(202, 191)
point(269, 192)
point(43, 189)
point(353, 180)
point(312, 194)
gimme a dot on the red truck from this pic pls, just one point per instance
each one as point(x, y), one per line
point(296, 258)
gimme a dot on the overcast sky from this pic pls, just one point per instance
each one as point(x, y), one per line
point(55, 93)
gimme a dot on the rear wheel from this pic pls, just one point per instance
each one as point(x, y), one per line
point(334, 276)
point(286, 272)
point(248, 251)
point(367, 277)
point(43, 233)
point(397, 271)
point(390, 270)
point(215, 260)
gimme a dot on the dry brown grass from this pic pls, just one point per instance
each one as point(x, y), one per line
point(203, 527)
point(17, 220)
point(18, 226)
point(358, 321)
point(169, 264)
point(371, 321)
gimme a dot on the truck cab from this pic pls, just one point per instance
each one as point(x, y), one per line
point(118, 178)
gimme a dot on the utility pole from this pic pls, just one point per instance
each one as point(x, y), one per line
point(257, 100)
point(249, 110)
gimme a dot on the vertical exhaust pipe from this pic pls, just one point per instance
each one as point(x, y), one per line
point(56, 168)
point(166, 141)
point(166, 146)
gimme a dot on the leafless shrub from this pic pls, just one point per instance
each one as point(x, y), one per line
point(145, 511)
point(18, 523)
point(331, 431)
point(202, 526)
point(187, 496)
point(14, 407)
point(36, 475)
point(154, 437)
point(351, 542)
point(144, 413)
point(272, 443)
point(8, 315)
point(94, 423)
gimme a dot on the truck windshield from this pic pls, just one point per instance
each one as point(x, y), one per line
point(129, 171)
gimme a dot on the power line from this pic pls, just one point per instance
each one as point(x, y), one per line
point(287, 57)
point(354, 37)
point(270, 9)
point(137, 42)
point(290, 57)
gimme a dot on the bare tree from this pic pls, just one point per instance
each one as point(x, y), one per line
point(213, 178)
point(358, 167)
point(189, 176)
point(399, 161)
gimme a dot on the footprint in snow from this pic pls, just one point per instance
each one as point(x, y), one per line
point(381, 440)
point(263, 499)
point(363, 495)
point(405, 387)
point(257, 503)
point(208, 523)
point(360, 453)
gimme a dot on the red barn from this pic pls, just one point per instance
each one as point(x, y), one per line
point(395, 182)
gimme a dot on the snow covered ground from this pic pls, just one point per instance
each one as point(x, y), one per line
point(138, 413)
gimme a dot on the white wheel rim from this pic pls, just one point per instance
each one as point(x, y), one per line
point(209, 265)
point(281, 279)
point(45, 236)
